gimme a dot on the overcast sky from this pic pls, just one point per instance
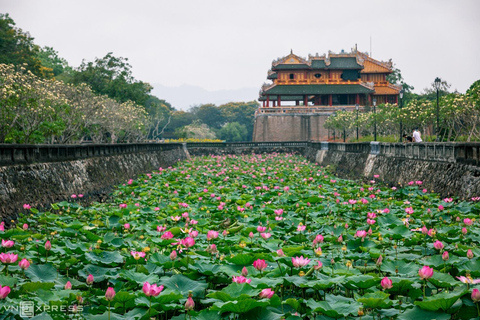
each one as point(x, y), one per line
point(223, 45)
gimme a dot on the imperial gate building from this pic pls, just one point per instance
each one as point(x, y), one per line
point(304, 93)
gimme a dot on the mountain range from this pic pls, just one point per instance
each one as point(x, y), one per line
point(185, 96)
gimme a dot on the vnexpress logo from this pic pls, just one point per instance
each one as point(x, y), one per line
point(27, 309)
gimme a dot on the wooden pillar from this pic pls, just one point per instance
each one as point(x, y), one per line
point(263, 103)
point(396, 99)
point(274, 103)
point(305, 100)
point(330, 100)
point(268, 101)
point(357, 99)
point(279, 99)
point(297, 103)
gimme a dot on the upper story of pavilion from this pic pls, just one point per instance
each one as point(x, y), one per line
point(328, 82)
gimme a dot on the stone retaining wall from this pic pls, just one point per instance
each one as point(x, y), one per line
point(40, 184)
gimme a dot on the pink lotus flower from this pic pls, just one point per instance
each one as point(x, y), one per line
point(468, 221)
point(424, 230)
point(176, 218)
point(425, 272)
point(361, 234)
point(468, 280)
point(371, 215)
point(445, 256)
point(448, 200)
point(318, 266)
point(301, 228)
point(188, 242)
point(318, 239)
point(464, 231)
point(137, 254)
point(68, 285)
point(278, 212)
point(212, 249)
point(438, 245)
point(266, 293)
point(4, 291)
point(379, 261)
point(469, 254)
point(212, 235)
point(167, 235)
point(126, 225)
point(193, 233)
point(26, 206)
point(386, 283)
point(371, 221)
point(241, 279)
point(440, 208)
point(109, 294)
point(189, 304)
point(90, 279)
point(8, 257)
point(475, 295)
point(25, 226)
point(352, 201)
point(409, 210)
point(24, 264)
point(251, 235)
point(151, 290)
point(265, 235)
point(48, 245)
point(260, 264)
point(364, 201)
point(261, 229)
point(244, 272)
point(299, 262)
point(123, 205)
point(340, 238)
point(280, 253)
point(173, 255)
point(7, 243)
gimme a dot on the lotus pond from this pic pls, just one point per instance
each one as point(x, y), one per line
point(245, 237)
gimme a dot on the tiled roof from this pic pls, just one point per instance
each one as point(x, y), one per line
point(317, 89)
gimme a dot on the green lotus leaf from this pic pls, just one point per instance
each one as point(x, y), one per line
point(403, 268)
point(42, 273)
point(420, 314)
point(442, 280)
point(35, 286)
point(235, 291)
point(442, 301)
point(334, 309)
point(361, 282)
point(105, 257)
point(241, 306)
point(377, 299)
point(99, 273)
point(183, 285)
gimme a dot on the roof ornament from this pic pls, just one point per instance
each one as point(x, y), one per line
point(291, 51)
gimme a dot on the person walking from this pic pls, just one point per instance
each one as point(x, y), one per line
point(416, 136)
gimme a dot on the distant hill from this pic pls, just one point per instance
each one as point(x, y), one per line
point(186, 96)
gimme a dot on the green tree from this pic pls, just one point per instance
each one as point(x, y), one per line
point(51, 60)
point(233, 132)
point(241, 112)
point(209, 114)
point(112, 76)
point(17, 47)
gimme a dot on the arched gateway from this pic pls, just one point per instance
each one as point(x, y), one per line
point(303, 93)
